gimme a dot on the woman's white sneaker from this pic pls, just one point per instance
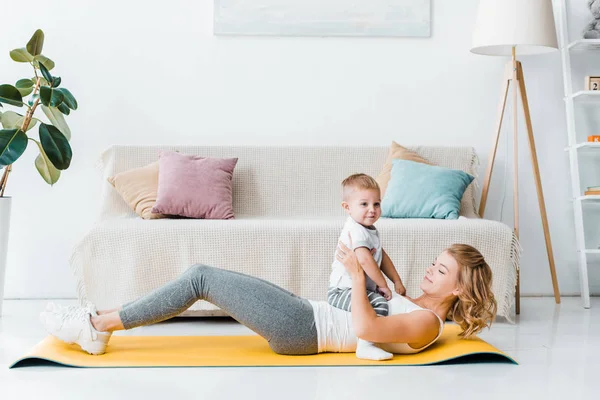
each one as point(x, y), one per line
point(73, 325)
point(53, 307)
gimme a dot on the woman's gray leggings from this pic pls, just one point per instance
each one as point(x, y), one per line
point(285, 320)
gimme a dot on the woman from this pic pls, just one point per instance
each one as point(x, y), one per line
point(457, 286)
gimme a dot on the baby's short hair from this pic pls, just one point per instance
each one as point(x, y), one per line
point(358, 182)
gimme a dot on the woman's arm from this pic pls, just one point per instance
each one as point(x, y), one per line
point(417, 328)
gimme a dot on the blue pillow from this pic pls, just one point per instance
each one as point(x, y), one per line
point(418, 190)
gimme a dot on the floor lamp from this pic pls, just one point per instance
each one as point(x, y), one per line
point(511, 28)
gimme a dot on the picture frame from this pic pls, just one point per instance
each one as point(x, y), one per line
point(322, 18)
point(592, 83)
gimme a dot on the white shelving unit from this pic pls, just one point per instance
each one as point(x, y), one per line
point(575, 147)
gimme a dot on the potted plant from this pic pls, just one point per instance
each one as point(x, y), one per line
point(45, 92)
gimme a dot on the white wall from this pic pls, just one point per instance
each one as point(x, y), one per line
point(155, 74)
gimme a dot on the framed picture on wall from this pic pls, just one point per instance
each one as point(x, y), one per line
point(592, 83)
point(363, 18)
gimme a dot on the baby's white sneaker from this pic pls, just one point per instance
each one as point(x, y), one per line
point(368, 351)
point(73, 325)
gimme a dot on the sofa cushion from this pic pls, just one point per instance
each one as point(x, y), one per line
point(397, 152)
point(138, 187)
point(417, 190)
point(195, 187)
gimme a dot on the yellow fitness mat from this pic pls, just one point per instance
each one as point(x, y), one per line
point(242, 351)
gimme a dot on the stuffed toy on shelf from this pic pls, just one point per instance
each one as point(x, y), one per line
point(592, 30)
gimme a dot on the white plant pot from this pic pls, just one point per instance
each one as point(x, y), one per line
point(5, 203)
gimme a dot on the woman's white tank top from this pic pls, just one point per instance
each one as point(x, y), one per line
point(335, 332)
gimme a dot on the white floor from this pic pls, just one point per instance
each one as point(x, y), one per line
point(558, 348)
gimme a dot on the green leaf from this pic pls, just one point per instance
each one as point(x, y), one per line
point(45, 61)
point(45, 73)
point(45, 167)
point(13, 143)
point(57, 98)
point(45, 95)
point(56, 81)
point(24, 83)
point(58, 120)
point(25, 86)
point(25, 92)
point(56, 146)
point(36, 43)
point(68, 98)
point(10, 120)
point(10, 95)
point(13, 120)
point(32, 99)
point(51, 97)
point(64, 109)
point(21, 55)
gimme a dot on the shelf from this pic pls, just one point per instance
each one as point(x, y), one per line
point(586, 95)
point(592, 251)
point(584, 44)
point(585, 146)
point(589, 198)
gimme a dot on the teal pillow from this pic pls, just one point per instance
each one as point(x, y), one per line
point(418, 190)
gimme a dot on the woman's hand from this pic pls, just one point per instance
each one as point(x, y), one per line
point(347, 257)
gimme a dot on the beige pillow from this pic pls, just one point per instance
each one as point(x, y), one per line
point(396, 152)
point(139, 187)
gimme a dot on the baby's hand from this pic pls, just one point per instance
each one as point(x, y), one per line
point(399, 288)
point(385, 292)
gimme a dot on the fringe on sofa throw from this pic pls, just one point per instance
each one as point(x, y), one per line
point(475, 164)
point(77, 269)
point(515, 259)
point(101, 161)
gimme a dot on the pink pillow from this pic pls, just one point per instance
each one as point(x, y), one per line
point(195, 187)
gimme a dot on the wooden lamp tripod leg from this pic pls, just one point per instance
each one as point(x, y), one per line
point(538, 183)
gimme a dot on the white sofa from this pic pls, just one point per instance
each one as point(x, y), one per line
point(288, 219)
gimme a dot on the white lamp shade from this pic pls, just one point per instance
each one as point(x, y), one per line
point(527, 25)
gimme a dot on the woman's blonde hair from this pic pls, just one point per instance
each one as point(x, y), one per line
point(476, 306)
